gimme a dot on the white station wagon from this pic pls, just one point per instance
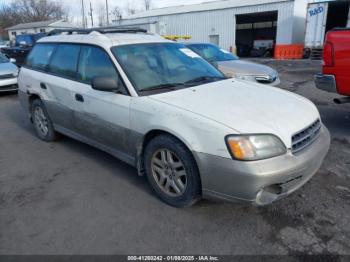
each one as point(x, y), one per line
point(158, 106)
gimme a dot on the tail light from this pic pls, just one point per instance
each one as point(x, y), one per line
point(328, 54)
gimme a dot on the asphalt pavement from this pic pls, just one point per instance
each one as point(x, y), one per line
point(69, 198)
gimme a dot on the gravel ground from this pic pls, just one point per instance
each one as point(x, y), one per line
point(69, 198)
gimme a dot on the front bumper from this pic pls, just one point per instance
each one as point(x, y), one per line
point(8, 84)
point(263, 181)
point(326, 83)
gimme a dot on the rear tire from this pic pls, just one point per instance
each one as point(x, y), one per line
point(42, 123)
point(172, 171)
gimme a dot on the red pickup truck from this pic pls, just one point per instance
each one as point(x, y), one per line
point(335, 76)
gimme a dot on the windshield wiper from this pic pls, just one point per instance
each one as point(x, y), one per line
point(202, 79)
point(168, 86)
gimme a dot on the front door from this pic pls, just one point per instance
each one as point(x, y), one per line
point(102, 117)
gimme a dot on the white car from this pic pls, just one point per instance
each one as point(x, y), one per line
point(8, 74)
point(158, 106)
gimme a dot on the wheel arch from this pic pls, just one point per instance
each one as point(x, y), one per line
point(150, 135)
point(31, 98)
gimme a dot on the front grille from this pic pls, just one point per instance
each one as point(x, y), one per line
point(305, 137)
point(6, 76)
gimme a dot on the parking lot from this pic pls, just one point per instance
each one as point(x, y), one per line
point(69, 198)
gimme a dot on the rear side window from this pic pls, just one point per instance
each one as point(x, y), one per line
point(40, 55)
point(94, 62)
point(64, 61)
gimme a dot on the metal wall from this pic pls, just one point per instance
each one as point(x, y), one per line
point(200, 25)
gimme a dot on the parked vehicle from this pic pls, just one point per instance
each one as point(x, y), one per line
point(232, 66)
point(335, 76)
point(160, 107)
point(23, 45)
point(8, 74)
point(3, 44)
point(323, 16)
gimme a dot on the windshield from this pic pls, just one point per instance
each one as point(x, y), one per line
point(24, 38)
point(212, 53)
point(3, 58)
point(164, 66)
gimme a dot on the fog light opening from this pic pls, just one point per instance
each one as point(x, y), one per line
point(268, 194)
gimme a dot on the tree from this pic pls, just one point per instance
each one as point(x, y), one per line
point(25, 11)
point(117, 13)
point(131, 8)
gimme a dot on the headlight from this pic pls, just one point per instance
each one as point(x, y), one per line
point(254, 147)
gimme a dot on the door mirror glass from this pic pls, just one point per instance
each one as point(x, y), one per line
point(107, 84)
point(23, 44)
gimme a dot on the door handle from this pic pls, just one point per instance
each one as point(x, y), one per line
point(79, 97)
point(43, 86)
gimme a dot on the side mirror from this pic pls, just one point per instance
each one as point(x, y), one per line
point(12, 60)
point(23, 43)
point(107, 84)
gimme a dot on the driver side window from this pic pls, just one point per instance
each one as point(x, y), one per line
point(94, 62)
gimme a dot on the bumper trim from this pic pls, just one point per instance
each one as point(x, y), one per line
point(326, 83)
point(264, 181)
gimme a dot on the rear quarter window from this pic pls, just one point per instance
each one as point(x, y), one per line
point(40, 55)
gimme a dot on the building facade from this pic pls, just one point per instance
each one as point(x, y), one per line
point(232, 24)
point(37, 27)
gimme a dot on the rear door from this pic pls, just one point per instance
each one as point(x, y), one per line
point(59, 83)
point(102, 117)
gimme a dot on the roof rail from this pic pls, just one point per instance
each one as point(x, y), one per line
point(101, 30)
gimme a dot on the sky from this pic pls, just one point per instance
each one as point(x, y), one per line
point(74, 6)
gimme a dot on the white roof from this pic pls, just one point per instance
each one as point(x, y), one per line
point(105, 40)
point(201, 7)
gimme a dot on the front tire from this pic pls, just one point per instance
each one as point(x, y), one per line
point(172, 171)
point(42, 123)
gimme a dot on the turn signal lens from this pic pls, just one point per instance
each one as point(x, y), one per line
point(254, 147)
point(241, 149)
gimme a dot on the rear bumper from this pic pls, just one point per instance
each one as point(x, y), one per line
point(326, 83)
point(264, 181)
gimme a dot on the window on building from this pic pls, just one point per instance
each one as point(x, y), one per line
point(64, 61)
point(14, 33)
point(214, 39)
point(42, 30)
point(94, 62)
point(40, 56)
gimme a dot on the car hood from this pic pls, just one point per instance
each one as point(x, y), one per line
point(246, 108)
point(7, 68)
point(245, 68)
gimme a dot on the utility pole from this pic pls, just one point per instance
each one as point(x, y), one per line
point(83, 13)
point(107, 12)
point(91, 16)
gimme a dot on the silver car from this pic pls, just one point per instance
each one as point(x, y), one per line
point(232, 66)
point(8, 74)
point(163, 109)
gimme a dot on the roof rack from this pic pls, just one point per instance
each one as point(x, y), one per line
point(101, 30)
